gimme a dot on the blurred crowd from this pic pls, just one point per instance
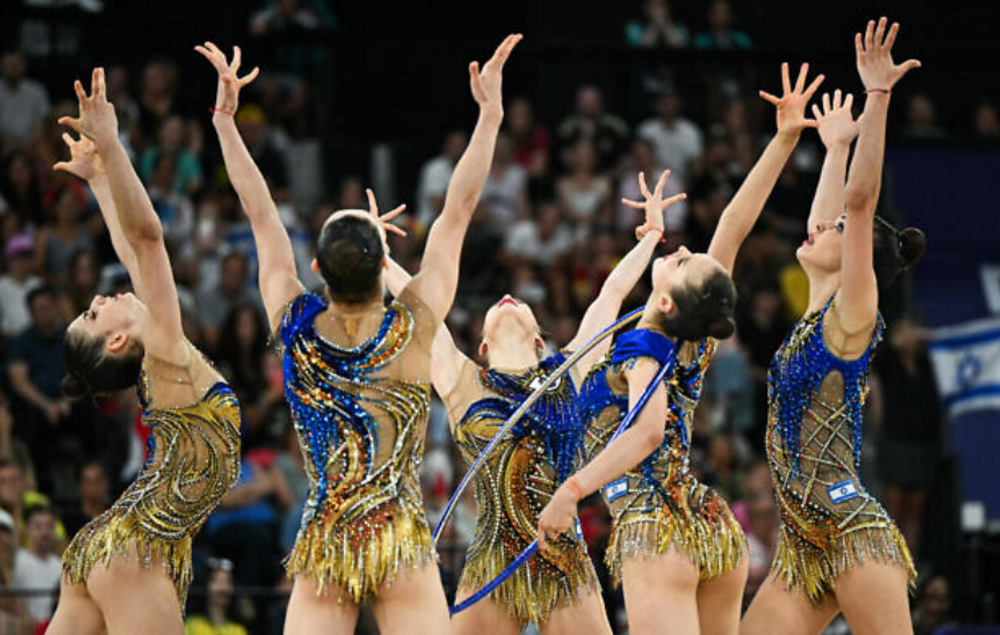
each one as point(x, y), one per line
point(549, 230)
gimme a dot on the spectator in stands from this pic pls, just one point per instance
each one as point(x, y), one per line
point(987, 121)
point(16, 499)
point(434, 178)
point(290, 16)
point(58, 241)
point(608, 133)
point(36, 567)
point(10, 607)
point(676, 140)
point(126, 108)
point(584, 194)
point(23, 102)
point(540, 242)
point(531, 140)
point(95, 495)
point(173, 206)
point(12, 448)
point(233, 289)
point(156, 98)
point(910, 431)
point(657, 28)
point(932, 614)
point(721, 35)
point(35, 362)
point(187, 173)
point(15, 285)
point(81, 285)
point(921, 120)
point(243, 348)
point(762, 537)
point(21, 189)
point(762, 327)
point(505, 194)
point(267, 154)
point(216, 619)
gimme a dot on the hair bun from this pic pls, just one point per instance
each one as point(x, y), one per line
point(73, 387)
point(722, 328)
point(912, 246)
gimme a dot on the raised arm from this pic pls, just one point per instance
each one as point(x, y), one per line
point(628, 450)
point(857, 305)
point(437, 280)
point(277, 276)
point(742, 212)
point(837, 129)
point(603, 311)
point(85, 163)
point(140, 226)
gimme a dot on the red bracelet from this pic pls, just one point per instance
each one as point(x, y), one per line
point(887, 91)
point(656, 229)
point(225, 112)
point(573, 488)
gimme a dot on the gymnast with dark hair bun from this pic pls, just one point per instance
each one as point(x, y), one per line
point(675, 546)
point(128, 570)
point(358, 379)
point(838, 550)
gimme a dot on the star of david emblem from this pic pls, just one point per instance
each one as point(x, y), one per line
point(969, 368)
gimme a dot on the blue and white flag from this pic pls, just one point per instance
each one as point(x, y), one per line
point(966, 361)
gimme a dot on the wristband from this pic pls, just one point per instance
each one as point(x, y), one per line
point(225, 112)
point(573, 488)
point(656, 229)
point(887, 91)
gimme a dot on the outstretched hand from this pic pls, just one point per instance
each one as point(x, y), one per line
point(791, 106)
point(486, 85)
point(227, 98)
point(654, 206)
point(836, 122)
point(383, 220)
point(84, 161)
point(875, 65)
point(97, 120)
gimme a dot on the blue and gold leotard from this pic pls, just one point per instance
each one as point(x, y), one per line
point(829, 522)
point(516, 483)
point(194, 458)
point(361, 414)
point(660, 505)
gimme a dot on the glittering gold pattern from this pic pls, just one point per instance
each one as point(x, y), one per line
point(664, 506)
point(193, 462)
point(516, 482)
point(821, 538)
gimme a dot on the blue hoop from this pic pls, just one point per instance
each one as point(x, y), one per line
point(523, 408)
point(533, 547)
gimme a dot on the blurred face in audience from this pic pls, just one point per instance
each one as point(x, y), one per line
point(936, 602)
point(820, 251)
point(987, 121)
point(220, 586)
point(172, 133)
point(93, 483)
point(12, 66)
point(676, 270)
point(67, 207)
point(588, 102)
point(454, 145)
point(44, 312)
point(11, 486)
point(508, 320)
point(234, 273)
point(643, 155)
point(584, 158)
point(41, 531)
point(19, 173)
point(720, 15)
point(83, 271)
point(247, 331)
point(520, 120)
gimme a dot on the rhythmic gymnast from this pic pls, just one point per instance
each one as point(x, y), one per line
point(675, 545)
point(557, 589)
point(838, 550)
point(357, 378)
point(128, 570)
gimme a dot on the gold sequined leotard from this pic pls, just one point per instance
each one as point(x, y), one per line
point(660, 505)
point(361, 414)
point(516, 482)
point(829, 522)
point(194, 458)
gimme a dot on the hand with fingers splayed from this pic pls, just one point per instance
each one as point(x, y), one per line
point(84, 161)
point(654, 206)
point(878, 72)
point(383, 220)
point(791, 106)
point(227, 99)
point(837, 125)
point(486, 85)
point(97, 120)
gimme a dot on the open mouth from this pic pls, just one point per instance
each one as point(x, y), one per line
point(506, 301)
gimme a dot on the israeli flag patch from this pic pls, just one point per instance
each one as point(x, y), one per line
point(616, 489)
point(842, 491)
point(579, 529)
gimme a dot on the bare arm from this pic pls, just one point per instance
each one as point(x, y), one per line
point(742, 212)
point(627, 451)
point(277, 276)
point(857, 305)
point(140, 226)
point(603, 311)
point(837, 129)
point(437, 280)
